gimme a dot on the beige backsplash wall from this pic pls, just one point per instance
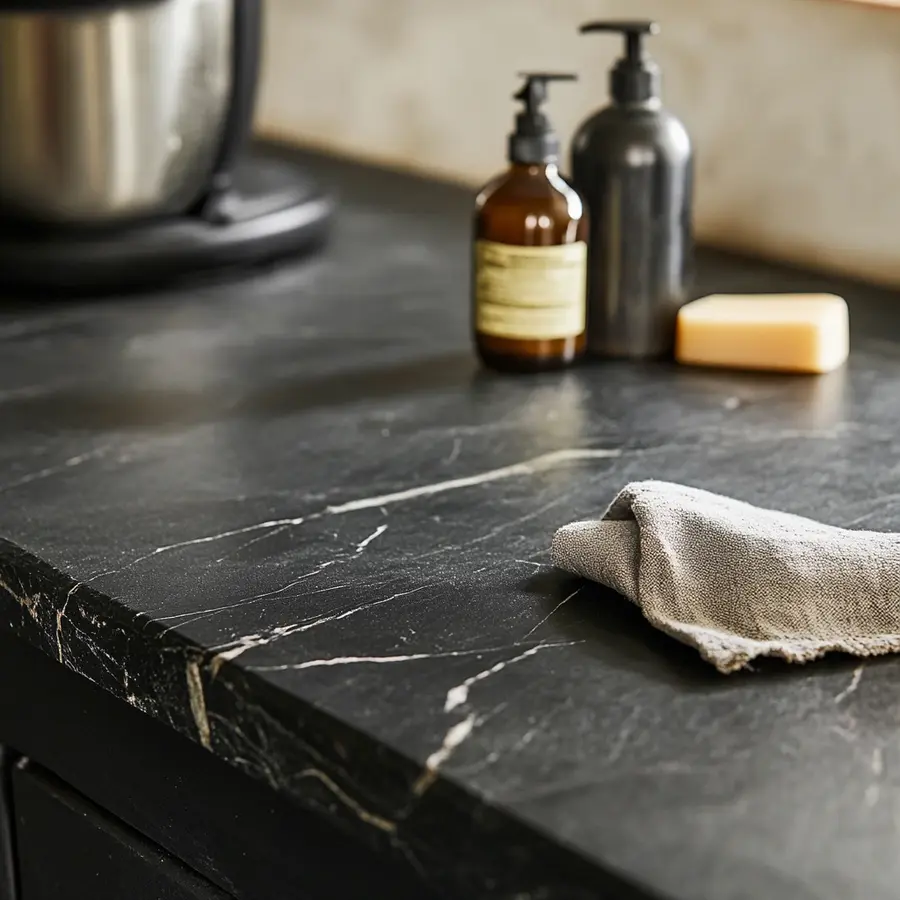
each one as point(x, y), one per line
point(794, 105)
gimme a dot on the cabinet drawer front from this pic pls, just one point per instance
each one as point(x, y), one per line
point(68, 847)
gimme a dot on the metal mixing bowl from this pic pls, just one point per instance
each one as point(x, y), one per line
point(112, 112)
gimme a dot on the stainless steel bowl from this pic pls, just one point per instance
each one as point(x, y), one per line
point(116, 113)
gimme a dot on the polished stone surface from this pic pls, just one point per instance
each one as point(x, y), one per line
point(300, 527)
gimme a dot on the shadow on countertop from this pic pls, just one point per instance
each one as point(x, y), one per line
point(95, 407)
point(614, 629)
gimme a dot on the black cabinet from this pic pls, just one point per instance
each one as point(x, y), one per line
point(68, 847)
point(169, 793)
point(7, 870)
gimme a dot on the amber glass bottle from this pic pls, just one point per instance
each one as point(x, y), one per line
point(530, 264)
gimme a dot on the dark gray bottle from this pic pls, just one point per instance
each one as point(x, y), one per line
point(632, 163)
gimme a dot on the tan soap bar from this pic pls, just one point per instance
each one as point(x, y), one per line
point(781, 332)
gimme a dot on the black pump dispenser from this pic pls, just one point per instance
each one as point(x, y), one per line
point(534, 141)
point(635, 77)
point(632, 162)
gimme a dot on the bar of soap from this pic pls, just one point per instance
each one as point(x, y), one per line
point(780, 332)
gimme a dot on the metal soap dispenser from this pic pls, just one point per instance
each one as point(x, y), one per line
point(632, 163)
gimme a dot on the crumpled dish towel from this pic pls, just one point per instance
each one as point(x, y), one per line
point(736, 581)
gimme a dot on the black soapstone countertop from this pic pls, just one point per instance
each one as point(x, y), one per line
point(288, 517)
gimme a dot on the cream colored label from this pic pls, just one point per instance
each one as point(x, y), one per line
point(530, 293)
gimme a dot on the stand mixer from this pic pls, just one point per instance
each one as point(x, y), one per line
point(123, 145)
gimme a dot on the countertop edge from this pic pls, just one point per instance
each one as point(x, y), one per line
point(298, 750)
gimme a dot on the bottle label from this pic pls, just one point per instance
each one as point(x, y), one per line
point(530, 293)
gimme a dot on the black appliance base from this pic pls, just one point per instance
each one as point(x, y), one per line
point(274, 210)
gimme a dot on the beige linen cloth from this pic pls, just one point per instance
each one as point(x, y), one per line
point(736, 581)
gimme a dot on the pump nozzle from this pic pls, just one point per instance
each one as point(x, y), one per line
point(534, 92)
point(635, 77)
point(534, 140)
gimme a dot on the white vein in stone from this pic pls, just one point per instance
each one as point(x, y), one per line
point(252, 541)
point(528, 467)
point(55, 470)
point(454, 453)
point(452, 740)
point(29, 604)
point(854, 684)
point(199, 613)
point(260, 640)
point(197, 701)
point(459, 695)
point(337, 617)
point(529, 562)
point(60, 615)
point(380, 530)
point(364, 815)
point(344, 661)
point(376, 660)
point(558, 606)
point(258, 526)
point(206, 539)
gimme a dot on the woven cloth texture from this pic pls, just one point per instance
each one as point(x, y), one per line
point(736, 581)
